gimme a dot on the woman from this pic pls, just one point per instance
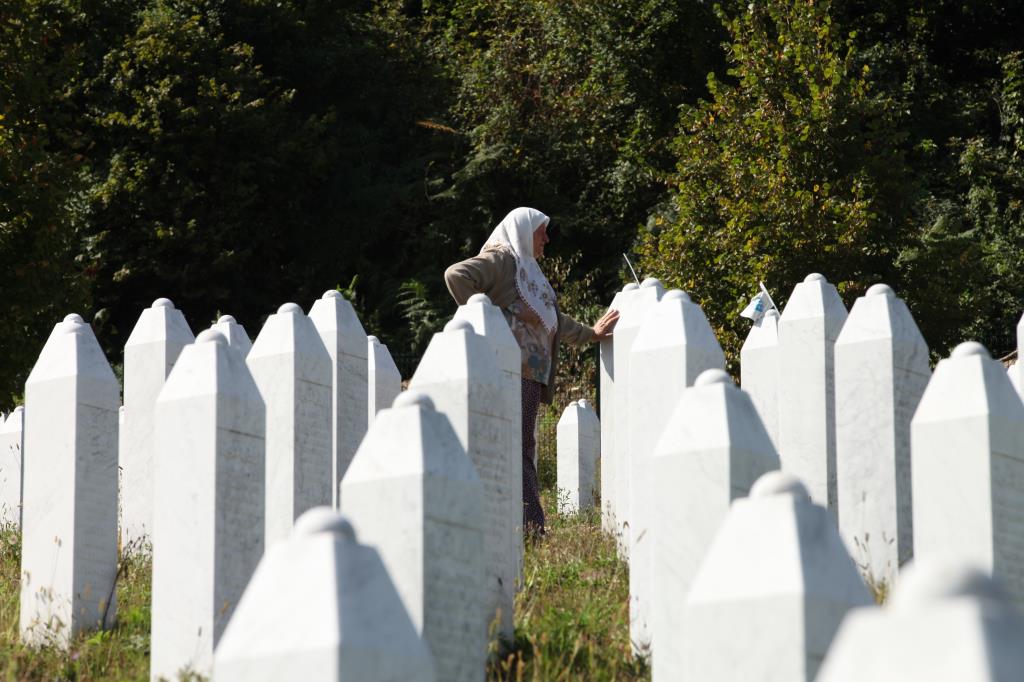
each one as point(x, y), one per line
point(506, 269)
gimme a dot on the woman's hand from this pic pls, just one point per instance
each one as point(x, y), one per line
point(603, 327)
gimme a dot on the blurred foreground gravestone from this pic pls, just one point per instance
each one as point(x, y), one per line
point(321, 607)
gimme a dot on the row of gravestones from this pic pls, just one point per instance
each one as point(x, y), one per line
point(242, 442)
point(844, 405)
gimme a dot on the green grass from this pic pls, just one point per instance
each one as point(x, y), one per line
point(572, 619)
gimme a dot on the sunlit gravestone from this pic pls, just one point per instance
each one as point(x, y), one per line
point(11, 456)
point(808, 329)
point(460, 375)
point(235, 334)
point(293, 372)
point(384, 382)
point(881, 372)
point(712, 451)
point(578, 445)
point(413, 493)
point(674, 345)
point(489, 322)
point(759, 371)
point(149, 355)
point(345, 339)
point(636, 304)
point(946, 622)
point(69, 521)
point(967, 451)
point(208, 505)
point(321, 608)
point(771, 592)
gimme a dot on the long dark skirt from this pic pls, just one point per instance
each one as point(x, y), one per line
point(533, 513)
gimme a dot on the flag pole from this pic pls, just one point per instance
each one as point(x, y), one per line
point(631, 269)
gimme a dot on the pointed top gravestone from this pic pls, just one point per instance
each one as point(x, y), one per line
point(946, 622)
point(321, 606)
point(149, 355)
point(293, 372)
point(881, 372)
point(70, 489)
point(11, 459)
point(635, 304)
point(383, 378)
point(773, 588)
point(967, 444)
point(235, 334)
point(674, 345)
point(578, 441)
point(345, 339)
point(808, 329)
point(759, 371)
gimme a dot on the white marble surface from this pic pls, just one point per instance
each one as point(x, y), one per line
point(946, 622)
point(578, 442)
point(149, 355)
point(635, 306)
point(489, 322)
point(607, 379)
point(413, 493)
point(759, 371)
point(321, 608)
point(460, 375)
point(772, 590)
point(69, 521)
point(234, 332)
point(808, 329)
point(11, 449)
point(674, 345)
point(881, 372)
point(711, 452)
point(293, 372)
point(345, 339)
point(208, 503)
point(967, 453)
point(384, 381)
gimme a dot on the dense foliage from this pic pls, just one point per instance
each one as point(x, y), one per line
point(236, 154)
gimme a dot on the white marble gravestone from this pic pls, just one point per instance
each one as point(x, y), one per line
point(882, 369)
point(413, 493)
point(674, 345)
point(489, 322)
point(384, 382)
point(149, 355)
point(69, 516)
point(636, 304)
point(321, 608)
point(759, 371)
point(1013, 371)
point(712, 451)
point(578, 442)
point(946, 622)
point(343, 335)
point(460, 375)
point(607, 379)
point(808, 329)
point(235, 333)
point(11, 457)
point(1017, 367)
point(772, 590)
point(967, 453)
point(208, 504)
point(293, 372)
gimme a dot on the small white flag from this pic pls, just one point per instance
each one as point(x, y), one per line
point(757, 307)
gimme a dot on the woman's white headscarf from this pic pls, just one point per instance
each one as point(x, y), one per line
point(515, 232)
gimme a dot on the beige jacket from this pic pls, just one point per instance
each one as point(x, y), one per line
point(493, 272)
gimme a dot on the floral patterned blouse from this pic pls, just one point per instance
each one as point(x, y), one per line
point(534, 340)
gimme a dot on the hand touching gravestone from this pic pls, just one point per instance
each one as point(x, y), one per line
point(321, 608)
point(208, 506)
point(293, 372)
point(413, 493)
point(69, 525)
